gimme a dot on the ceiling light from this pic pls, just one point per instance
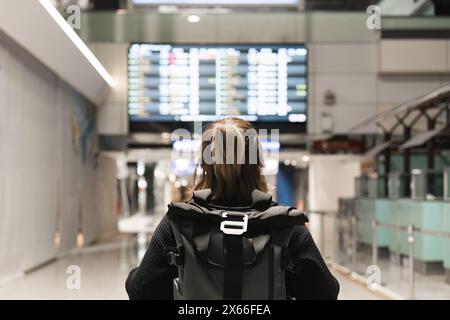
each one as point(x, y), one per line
point(193, 18)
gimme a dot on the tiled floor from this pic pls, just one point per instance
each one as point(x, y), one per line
point(104, 269)
point(349, 290)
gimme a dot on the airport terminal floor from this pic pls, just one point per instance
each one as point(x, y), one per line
point(225, 150)
point(105, 268)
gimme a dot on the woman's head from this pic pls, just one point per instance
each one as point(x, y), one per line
point(231, 161)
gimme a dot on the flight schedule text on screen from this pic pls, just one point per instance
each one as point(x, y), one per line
point(205, 83)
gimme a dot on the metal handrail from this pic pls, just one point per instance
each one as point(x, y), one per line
point(391, 226)
point(434, 233)
point(408, 106)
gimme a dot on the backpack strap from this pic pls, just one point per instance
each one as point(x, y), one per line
point(280, 238)
point(176, 255)
point(232, 273)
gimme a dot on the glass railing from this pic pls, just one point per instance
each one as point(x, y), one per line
point(371, 186)
point(426, 184)
point(377, 186)
point(361, 186)
point(399, 185)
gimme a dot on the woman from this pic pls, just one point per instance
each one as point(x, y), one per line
point(231, 168)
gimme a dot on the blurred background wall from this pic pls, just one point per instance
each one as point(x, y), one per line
point(48, 148)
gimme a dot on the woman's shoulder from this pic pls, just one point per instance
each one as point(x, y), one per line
point(301, 239)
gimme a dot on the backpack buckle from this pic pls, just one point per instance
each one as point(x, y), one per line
point(234, 227)
point(174, 257)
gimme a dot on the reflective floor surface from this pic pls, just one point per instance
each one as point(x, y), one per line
point(395, 276)
point(104, 269)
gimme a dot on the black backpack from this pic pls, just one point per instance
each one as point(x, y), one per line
point(231, 253)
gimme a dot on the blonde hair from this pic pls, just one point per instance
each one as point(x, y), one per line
point(231, 161)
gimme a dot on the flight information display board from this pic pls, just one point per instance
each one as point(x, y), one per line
point(264, 83)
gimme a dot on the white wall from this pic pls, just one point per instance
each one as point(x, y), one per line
point(365, 84)
point(43, 181)
point(113, 116)
point(349, 70)
point(330, 177)
point(414, 56)
point(107, 196)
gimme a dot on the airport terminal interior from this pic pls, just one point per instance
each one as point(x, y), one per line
point(103, 106)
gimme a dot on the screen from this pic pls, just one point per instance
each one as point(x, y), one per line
point(168, 83)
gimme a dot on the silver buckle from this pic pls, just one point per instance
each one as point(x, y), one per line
point(240, 227)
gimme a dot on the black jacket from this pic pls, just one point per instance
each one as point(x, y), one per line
point(308, 279)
